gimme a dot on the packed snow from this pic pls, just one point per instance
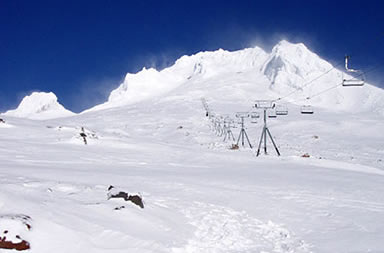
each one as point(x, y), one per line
point(152, 139)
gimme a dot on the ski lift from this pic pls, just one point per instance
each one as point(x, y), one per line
point(254, 117)
point(354, 81)
point(229, 122)
point(306, 109)
point(272, 114)
point(281, 110)
point(242, 115)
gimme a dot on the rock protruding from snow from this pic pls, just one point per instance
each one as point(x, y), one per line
point(13, 231)
point(40, 105)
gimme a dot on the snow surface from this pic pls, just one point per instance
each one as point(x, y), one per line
point(39, 105)
point(199, 195)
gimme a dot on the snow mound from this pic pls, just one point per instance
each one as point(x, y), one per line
point(40, 105)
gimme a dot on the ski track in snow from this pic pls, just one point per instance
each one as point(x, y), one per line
point(216, 228)
point(222, 229)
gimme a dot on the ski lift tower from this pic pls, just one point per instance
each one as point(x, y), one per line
point(228, 123)
point(243, 133)
point(265, 105)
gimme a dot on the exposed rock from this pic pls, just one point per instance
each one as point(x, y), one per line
point(113, 193)
point(23, 245)
point(12, 227)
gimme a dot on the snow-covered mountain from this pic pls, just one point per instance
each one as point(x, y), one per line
point(200, 193)
point(39, 105)
point(287, 68)
point(247, 74)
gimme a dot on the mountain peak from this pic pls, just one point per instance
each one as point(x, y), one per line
point(290, 64)
point(290, 50)
point(39, 105)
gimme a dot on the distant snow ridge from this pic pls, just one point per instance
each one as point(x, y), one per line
point(248, 74)
point(39, 105)
point(149, 83)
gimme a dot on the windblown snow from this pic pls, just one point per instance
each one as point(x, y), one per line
point(152, 139)
point(288, 68)
point(39, 105)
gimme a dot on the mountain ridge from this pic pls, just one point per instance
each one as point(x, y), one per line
point(246, 74)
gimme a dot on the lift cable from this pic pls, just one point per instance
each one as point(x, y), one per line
point(339, 84)
point(310, 82)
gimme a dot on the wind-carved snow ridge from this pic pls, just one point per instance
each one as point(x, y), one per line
point(40, 105)
point(291, 64)
point(247, 74)
point(150, 83)
point(221, 229)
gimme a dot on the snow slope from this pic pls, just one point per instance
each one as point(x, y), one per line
point(39, 105)
point(199, 195)
point(287, 69)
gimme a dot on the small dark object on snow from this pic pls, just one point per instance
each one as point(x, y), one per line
point(180, 127)
point(122, 195)
point(306, 155)
point(119, 208)
point(2, 121)
point(82, 134)
point(137, 200)
point(234, 147)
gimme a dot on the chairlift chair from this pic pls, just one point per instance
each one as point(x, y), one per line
point(231, 124)
point(254, 117)
point(281, 110)
point(306, 109)
point(359, 78)
point(272, 114)
point(227, 121)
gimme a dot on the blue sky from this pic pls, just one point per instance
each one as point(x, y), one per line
point(81, 50)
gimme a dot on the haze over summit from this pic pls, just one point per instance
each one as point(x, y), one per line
point(82, 51)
